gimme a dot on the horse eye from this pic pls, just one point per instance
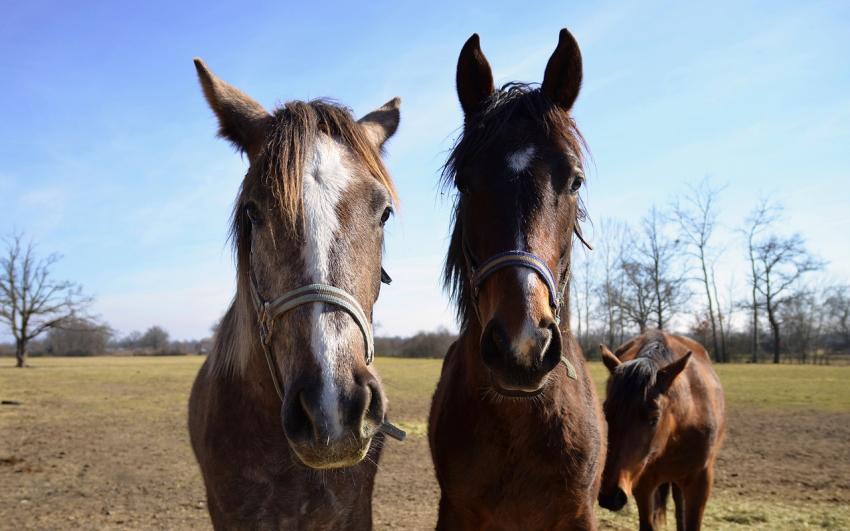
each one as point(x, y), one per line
point(578, 180)
point(252, 213)
point(653, 421)
point(386, 215)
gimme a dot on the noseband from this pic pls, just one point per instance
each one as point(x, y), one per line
point(269, 311)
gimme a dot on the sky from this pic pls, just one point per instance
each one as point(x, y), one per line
point(108, 154)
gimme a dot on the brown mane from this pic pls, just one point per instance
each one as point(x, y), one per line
point(279, 171)
point(501, 109)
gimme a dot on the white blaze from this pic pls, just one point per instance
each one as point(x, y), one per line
point(520, 159)
point(528, 280)
point(325, 182)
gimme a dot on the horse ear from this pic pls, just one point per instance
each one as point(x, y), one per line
point(241, 119)
point(667, 374)
point(474, 76)
point(609, 359)
point(562, 80)
point(382, 123)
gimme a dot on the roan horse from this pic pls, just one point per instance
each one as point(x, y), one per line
point(515, 428)
point(666, 420)
point(285, 414)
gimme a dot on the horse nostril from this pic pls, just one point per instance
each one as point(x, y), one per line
point(494, 343)
point(369, 406)
point(550, 353)
point(500, 340)
point(375, 408)
point(613, 501)
point(543, 340)
point(296, 418)
point(620, 498)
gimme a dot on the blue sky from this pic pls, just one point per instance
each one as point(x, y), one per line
point(108, 152)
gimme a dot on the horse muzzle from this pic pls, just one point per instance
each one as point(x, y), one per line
point(614, 500)
point(520, 366)
point(333, 429)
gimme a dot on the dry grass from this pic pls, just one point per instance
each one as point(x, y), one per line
point(101, 443)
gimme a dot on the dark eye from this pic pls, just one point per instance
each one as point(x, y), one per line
point(386, 215)
point(252, 213)
point(578, 180)
point(653, 421)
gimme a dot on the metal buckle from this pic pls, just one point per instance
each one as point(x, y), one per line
point(263, 318)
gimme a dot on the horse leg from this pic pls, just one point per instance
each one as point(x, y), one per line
point(696, 494)
point(679, 503)
point(644, 498)
point(659, 508)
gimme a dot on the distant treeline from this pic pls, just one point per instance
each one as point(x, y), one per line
point(83, 337)
point(88, 338)
point(422, 345)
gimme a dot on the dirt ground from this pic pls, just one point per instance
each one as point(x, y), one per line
point(101, 443)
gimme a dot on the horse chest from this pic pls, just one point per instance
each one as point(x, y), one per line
point(320, 510)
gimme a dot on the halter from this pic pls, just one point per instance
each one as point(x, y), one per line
point(269, 311)
point(530, 261)
point(518, 259)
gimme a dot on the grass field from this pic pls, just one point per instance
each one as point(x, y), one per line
point(101, 443)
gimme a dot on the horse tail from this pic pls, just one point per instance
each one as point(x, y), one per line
point(659, 504)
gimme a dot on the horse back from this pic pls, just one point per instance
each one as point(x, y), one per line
point(698, 400)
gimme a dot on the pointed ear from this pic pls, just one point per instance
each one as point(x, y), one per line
point(474, 77)
point(382, 123)
point(609, 359)
point(667, 375)
point(562, 80)
point(242, 120)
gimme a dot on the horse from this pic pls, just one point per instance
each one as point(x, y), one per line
point(666, 422)
point(515, 428)
point(287, 414)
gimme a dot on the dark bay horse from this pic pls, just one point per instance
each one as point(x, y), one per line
point(515, 428)
point(286, 412)
point(666, 420)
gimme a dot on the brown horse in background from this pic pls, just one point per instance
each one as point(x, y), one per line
point(515, 428)
point(285, 413)
point(666, 420)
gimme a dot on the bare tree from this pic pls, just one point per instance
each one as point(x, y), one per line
point(721, 319)
point(155, 339)
point(581, 294)
point(759, 219)
point(31, 301)
point(78, 337)
point(636, 299)
point(613, 235)
point(802, 318)
point(659, 253)
point(696, 216)
point(837, 310)
point(781, 263)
